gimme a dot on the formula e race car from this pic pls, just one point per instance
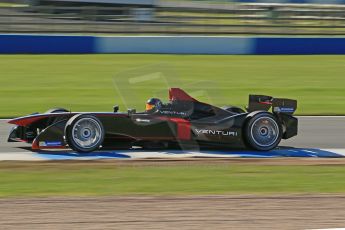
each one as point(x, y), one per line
point(183, 121)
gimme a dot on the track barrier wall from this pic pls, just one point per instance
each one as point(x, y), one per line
point(46, 44)
point(60, 44)
point(293, 1)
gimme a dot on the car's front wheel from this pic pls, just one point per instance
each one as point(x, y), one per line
point(263, 132)
point(84, 133)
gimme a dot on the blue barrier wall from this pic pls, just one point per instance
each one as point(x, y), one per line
point(50, 44)
point(299, 46)
point(46, 44)
point(294, 1)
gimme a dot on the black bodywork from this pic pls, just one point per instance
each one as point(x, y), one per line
point(185, 121)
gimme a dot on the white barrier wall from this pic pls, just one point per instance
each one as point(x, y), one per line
point(175, 44)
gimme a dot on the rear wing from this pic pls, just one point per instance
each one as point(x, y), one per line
point(278, 105)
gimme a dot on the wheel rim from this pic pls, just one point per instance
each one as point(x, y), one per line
point(86, 133)
point(264, 131)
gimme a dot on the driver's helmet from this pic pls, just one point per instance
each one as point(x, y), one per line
point(153, 104)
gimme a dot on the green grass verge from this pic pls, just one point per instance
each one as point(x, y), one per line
point(94, 180)
point(31, 83)
point(8, 4)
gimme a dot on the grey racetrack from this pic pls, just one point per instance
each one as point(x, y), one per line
point(314, 132)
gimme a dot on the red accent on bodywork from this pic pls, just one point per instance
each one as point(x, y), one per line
point(183, 127)
point(25, 121)
point(35, 145)
point(180, 95)
point(20, 140)
point(266, 102)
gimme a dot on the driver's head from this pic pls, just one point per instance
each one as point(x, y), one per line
point(153, 103)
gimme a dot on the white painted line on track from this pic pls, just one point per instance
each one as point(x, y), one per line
point(167, 154)
point(20, 156)
point(329, 229)
point(338, 151)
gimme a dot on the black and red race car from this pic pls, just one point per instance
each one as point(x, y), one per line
point(184, 121)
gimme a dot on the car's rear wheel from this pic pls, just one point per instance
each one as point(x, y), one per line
point(84, 133)
point(263, 132)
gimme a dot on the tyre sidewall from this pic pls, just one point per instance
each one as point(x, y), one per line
point(247, 132)
point(68, 133)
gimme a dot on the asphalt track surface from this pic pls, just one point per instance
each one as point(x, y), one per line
point(314, 132)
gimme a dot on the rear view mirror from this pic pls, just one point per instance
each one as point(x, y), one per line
point(116, 108)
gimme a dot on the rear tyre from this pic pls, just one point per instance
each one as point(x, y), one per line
point(263, 132)
point(57, 110)
point(84, 133)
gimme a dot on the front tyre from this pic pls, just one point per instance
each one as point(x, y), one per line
point(263, 132)
point(84, 133)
